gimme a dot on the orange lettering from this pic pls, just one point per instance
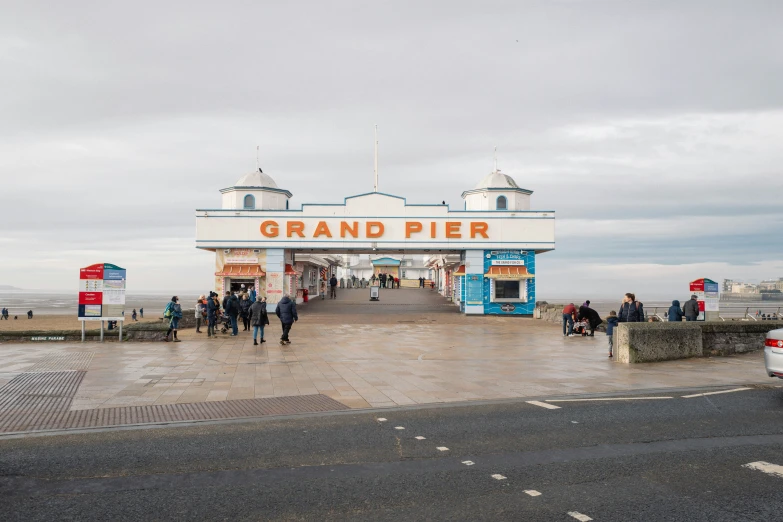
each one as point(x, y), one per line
point(433, 229)
point(295, 227)
point(322, 230)
point(347, 229)
point(269, 229)
point(479, 227)
point(452, 229)
point(376, 233)
point(411, 227)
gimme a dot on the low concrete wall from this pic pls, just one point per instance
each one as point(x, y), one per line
point(649, 342)
point(147, 331)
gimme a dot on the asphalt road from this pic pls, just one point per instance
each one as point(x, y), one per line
point(655, 459)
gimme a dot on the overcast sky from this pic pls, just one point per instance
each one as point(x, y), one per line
point(654, 129)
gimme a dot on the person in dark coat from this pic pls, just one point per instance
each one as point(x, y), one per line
point(231, 306)
point(585, 312)
point(611, 322)
point(244, 312)
point(631, 310)
point(691, 309)
point(212, 312)
point(675, 312)
point(286, 311)
point(258, 319)
point(333, 288)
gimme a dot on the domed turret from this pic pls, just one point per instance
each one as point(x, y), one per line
point(497, 191)
point(255, 191)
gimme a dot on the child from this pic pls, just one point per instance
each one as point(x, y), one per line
point(611, 322)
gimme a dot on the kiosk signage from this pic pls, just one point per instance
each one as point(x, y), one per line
point(707, 294)
point(101, 295)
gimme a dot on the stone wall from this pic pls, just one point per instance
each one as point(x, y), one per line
point(649, 342)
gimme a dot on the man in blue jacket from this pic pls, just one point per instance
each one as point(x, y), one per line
point(286, 311)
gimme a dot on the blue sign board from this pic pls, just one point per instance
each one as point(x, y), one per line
point(474, 289)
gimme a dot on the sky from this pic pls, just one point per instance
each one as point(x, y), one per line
point(652, 129)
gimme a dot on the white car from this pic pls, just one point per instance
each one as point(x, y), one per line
point(773, 353)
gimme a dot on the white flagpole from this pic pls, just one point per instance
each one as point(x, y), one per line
point(257, 165)
point(376, 159)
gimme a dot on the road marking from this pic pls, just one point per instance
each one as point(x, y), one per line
point(419, 437)
point(399, 427)
point(543, 405)
point(381, 419)
point(442, 448)
point(533, 492)
point(468, 462)
point(498, 476)
point(574, 422)
point(714, 393)
point(610, 399)
point(579, 516)
point(766, 467)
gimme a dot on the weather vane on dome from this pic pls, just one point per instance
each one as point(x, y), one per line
point(495, 155)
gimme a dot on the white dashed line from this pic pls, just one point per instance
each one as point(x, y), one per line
point(610, 399)
point(419, 437)
point(381, 419)
point(468, 462)
point(766, 467)
point(574, 422)
point(579, 516)
point(399, 427)
point(498, 476)
point(533, 492)
point(543, 405)
point(714, 393)
point(442, 448)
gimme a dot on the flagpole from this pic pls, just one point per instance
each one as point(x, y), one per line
point(376, 159)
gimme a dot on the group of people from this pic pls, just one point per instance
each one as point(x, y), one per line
point(235, 305)
point(4, 314)
point(386, 280)
point(134, 316)
point(689, 312)
point(767, 317)
point(584, 320)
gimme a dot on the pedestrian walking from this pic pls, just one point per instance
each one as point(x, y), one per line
point(258, 318)
point(286, 311)
point(29, 314)
point(133, 315)
point(675, 313)
point(569, 315)
point(253, 295)
point(592, 317)
point(691, 309)
point(244, 312)
point(611, 322)
point(631, 310)
point(141, 313)
point(213, 307)
point(173, 313)
point(333, 288)
point(4, 314)
point(201, 312)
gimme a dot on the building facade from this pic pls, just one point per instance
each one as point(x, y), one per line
point(482, 257)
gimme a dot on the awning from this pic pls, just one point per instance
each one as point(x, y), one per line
point(289, 270)
point(508, 272)
point(241, 271)
point(460, 271)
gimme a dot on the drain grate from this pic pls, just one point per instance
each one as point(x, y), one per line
point(62, 362)
point(119, 416)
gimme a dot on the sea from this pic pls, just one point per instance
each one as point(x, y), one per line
point(18, 303)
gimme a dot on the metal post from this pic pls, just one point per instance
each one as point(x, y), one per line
point(83, 331)
point(101, 331)
point(121, 330)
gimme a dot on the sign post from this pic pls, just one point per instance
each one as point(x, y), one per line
point(101, 295)
point(707, 294)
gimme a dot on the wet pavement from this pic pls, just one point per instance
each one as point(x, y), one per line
point(414, 348)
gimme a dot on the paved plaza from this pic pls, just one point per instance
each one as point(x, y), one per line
point(410, 348)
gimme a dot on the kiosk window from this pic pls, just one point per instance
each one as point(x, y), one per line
point(506, 289)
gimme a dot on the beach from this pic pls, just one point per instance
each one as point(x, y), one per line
point(60, 322)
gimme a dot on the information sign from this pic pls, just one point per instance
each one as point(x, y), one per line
point(474, 289)
point(102, 293)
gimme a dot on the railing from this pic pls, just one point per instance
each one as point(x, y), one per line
point(743, 313)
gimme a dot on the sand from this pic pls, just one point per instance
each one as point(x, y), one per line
point(56, 322)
